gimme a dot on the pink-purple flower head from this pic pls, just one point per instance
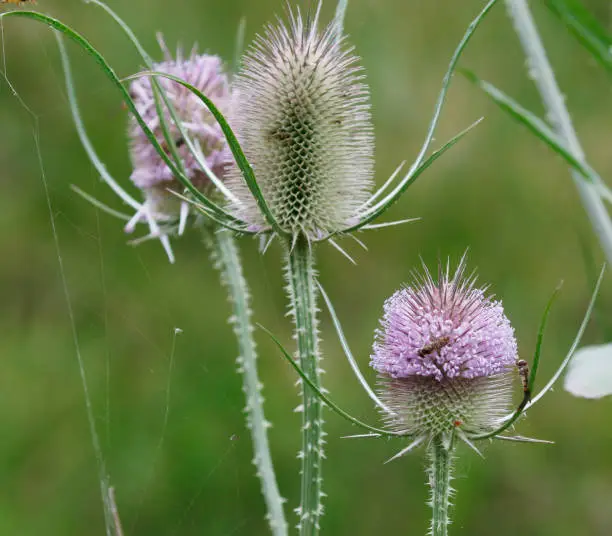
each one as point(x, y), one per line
point(444, 353)
point(444, 329)
point(150, 173)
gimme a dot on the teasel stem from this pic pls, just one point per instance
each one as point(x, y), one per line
point(440, 454)
point(558, 115)
point(227, 260)
point(301, 288)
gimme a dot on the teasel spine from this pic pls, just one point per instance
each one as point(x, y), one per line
point(226, 259)
point(301, 287)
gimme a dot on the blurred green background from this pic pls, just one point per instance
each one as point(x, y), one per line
point(499, 192)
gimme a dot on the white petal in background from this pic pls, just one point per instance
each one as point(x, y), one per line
point(590, 372)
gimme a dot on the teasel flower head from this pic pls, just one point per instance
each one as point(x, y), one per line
point(302, 118)
point(446, 354)
point(150, 173)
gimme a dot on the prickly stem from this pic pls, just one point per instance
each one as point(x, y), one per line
point(440, 455)
point(227, 260)
point(302, 292)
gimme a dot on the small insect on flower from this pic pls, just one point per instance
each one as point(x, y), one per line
point(434, 346)
point(523, 370)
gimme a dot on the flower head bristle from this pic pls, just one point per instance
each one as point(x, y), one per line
point(303, 120)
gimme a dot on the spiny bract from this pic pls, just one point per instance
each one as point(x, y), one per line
point(302, 118)
point(444, 353)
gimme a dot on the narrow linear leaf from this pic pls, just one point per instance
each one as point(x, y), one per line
point(82, 133)
point(526, 403)
point(586, 28)
point(97, 203)
point(521, 439)
point(347, 352)
point(534, 368)
point(575, 344)
point(210, 215)
point(540, 337)
point(535, 125)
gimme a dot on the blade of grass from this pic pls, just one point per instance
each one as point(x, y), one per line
point(526, 403)
point(558, 116)
point(535, 125)
point(538, 348)
point(575, 344)
point(586, 28)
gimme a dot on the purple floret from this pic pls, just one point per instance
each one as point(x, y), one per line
point(205, 72)
point(443, 329)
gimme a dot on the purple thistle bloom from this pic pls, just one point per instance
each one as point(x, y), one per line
point(444, 351)
point(444, 329)
point(206, 73)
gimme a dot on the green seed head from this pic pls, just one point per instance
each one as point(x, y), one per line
point(303, 121)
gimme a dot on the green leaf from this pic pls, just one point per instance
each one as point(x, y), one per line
point(96, 203)
point(82, 133)
point(538, 349)
point(586, 28)
point(347, 351)
point(540, 129)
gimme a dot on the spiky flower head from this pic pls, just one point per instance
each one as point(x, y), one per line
point(151, 173)
point(304, 124)
point(444, 352)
